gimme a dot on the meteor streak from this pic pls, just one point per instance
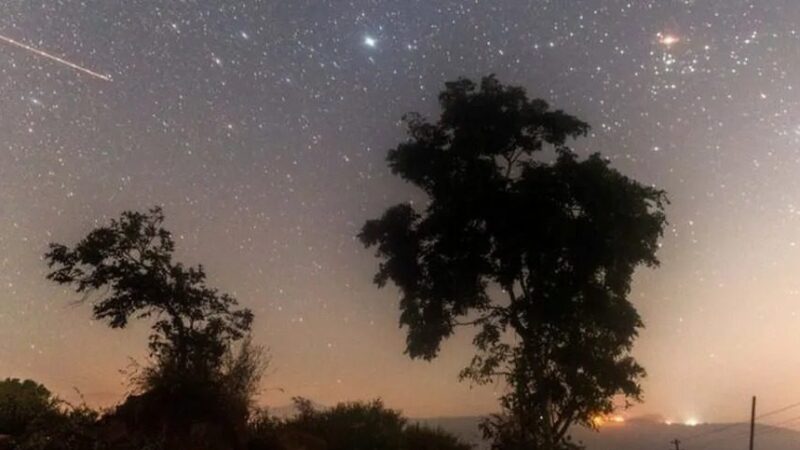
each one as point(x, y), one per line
point(43, 53)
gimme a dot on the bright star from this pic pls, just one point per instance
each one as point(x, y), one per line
point(370, 41)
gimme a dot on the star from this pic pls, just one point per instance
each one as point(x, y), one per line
point(370, 41)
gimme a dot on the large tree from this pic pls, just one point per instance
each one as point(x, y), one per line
point(126, 269)
point(530, 244)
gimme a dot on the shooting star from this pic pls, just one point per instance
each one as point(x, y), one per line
point(43, 53)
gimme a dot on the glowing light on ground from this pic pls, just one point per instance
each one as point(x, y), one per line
point(601, 421)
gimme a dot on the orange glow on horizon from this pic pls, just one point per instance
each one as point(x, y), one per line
point(601, 420)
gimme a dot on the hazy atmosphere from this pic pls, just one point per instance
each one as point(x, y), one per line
point(262, 128)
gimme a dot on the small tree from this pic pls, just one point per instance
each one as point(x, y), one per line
point(127, 270)
point(537, 254)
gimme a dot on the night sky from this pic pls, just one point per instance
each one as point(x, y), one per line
point(262, 126)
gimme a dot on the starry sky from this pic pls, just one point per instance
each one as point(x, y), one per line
point(262, 126)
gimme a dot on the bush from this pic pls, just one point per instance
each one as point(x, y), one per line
point(352, 426)
point(418, 437)
point(22, 403)
point(70, 428)
point(37, 420)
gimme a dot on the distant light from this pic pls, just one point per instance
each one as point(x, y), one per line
point(602, 421)
point(692, 422)
point(370, 41)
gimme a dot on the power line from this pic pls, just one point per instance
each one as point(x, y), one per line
point(785, 422)
point(778, 411)
point(776, 426)
point(714, 431)
point(737, 424)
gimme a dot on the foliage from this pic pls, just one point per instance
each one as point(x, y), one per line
point(205, 370)
point(37, 420)
point(129, 265)
point(352, 426)
point(418, 437)
point(22, 403)
point(234, 383)
point(366, 426)
point(537, 254)
point(71, 428)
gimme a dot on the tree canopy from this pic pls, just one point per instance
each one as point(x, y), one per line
point(127, 271)
point(205, 368)
point(537, 252)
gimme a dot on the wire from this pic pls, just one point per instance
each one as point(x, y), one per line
point(776, 427)
point(780, 410)
point(780, 426)
point(714, 431)
point(734, 425)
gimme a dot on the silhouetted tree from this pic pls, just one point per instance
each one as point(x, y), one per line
point(127, 271)
point(205, 369)
point(538, 254)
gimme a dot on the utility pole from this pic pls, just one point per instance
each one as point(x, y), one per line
point(676, 443)
point(752, 422)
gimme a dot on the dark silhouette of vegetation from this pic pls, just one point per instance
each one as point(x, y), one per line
point(537, 253)
point(353, 426)
point(198, 391)
point(35, 419)
point(23, 403)
point(205, 370)
point(128, 265)
point(419, 437)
